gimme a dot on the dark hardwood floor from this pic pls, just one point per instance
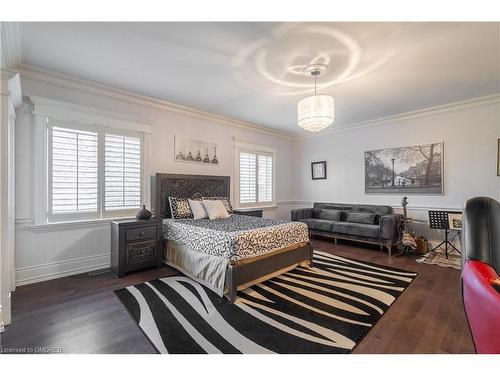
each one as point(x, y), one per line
point(80, 314)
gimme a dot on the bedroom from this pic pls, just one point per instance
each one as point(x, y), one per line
point(296, 175)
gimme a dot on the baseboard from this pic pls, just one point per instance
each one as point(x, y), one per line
point(54, 270)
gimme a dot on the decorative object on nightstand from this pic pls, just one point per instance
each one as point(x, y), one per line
point(135, 244)
point(249, 212)
point(143, 214)
point(318, 170)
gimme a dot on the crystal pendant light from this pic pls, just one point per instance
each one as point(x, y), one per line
point(315, 112)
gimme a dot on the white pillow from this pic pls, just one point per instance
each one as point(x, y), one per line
point(215, 209)
point(198, 209)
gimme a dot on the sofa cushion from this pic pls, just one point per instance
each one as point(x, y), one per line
point(379, 210)
point(318, 224)
point(327, 214)
point(356, 229)
point(361, 217)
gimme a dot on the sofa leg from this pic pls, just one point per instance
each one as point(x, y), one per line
point(335, 241)
point(381, 247)
point(389, 248)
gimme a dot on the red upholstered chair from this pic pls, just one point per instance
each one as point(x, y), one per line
point(480, 272)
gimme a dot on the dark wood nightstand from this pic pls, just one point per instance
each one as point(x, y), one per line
point(249, 212)
point(135, 244)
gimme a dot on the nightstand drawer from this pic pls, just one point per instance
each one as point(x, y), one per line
point(140, 252)
point(140, 233)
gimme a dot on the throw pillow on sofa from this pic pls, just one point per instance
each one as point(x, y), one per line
point(361, 217)
point(325, 214)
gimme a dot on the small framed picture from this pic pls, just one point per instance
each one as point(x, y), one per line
point(455, 221)
point(498, 158)
point(318, 170)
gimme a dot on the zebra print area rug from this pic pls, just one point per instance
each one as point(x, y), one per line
point(326, 309)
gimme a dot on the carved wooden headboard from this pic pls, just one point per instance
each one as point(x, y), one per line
point(187, 186)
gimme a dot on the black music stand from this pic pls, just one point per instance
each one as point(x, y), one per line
point(439, 220)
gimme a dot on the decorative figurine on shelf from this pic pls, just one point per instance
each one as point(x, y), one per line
point(143, 214)
point(198, 157)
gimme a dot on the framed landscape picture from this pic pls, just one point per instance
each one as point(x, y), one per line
point(405, 170)
point(318, 170)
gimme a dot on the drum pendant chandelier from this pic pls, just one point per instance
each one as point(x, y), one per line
point(316, 112)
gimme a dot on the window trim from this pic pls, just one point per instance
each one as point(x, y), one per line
point(76, 114)
point(258, 150)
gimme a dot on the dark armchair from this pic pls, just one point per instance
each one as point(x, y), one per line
point(480, 272)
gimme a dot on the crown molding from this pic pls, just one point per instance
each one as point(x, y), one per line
point(10, 44)
point(11, 86)
point(68, 82)
point(75, 112)
point(450, 107)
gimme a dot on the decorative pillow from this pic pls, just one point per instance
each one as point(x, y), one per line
point(361, 217)
point(180, 209)
point(215, 209)
point(197, 209)
point(167, 213)
point(327, 214)
point(225, 201)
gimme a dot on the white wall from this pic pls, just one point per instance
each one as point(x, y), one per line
point(469, 133)
point(43, 253)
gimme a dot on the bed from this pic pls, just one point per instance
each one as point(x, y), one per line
point(226, 255)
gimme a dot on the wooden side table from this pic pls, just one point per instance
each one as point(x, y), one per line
point(135, 244)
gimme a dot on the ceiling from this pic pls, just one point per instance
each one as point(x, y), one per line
point(253, 71)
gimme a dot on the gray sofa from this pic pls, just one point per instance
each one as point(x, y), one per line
point(355, 222)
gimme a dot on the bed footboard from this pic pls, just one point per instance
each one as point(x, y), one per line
point(250, 271)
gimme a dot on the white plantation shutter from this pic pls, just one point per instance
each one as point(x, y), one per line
point(93, 172)
point(265, 179)
point(122, 172)
point(248, 178)
point(255, 178)
point(73, 171)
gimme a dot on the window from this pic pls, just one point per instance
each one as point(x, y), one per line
point(248, 178)
point(74, 171)
point(93, 172)
point(255, 176)
point(122, 172)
